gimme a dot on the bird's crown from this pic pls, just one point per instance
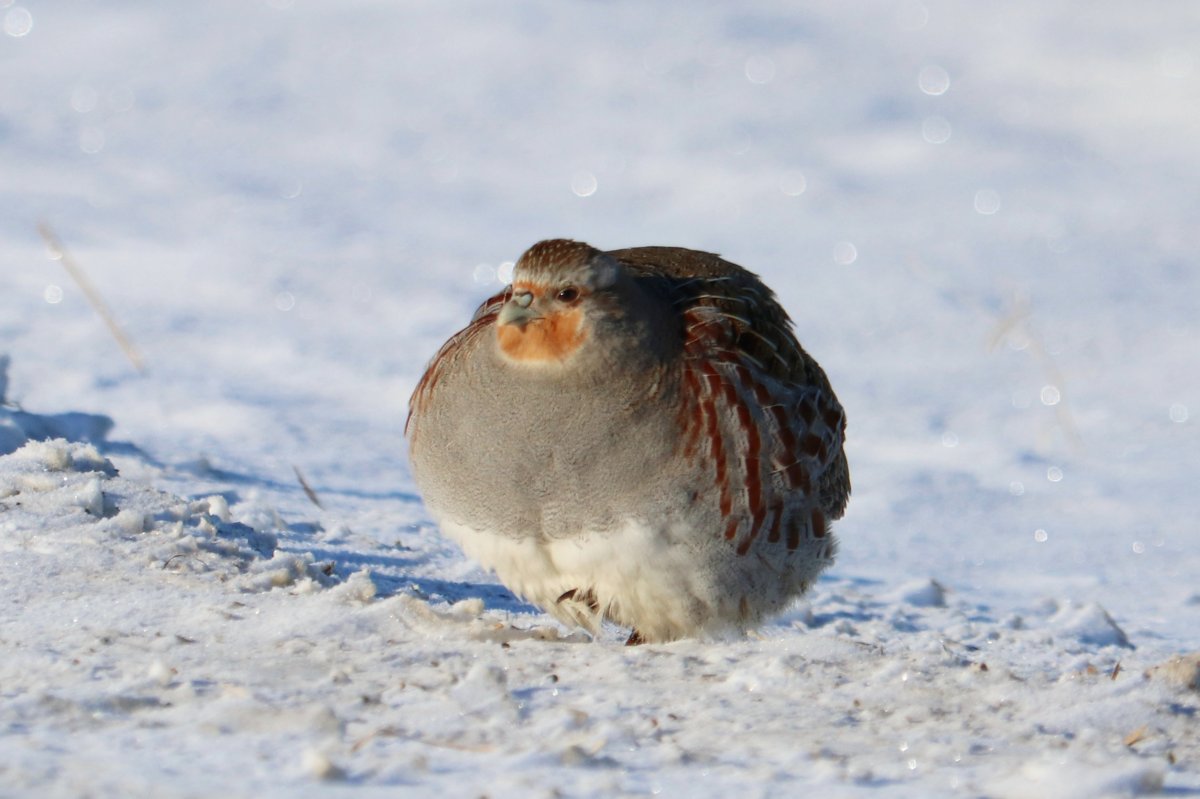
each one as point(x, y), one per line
point(563, 261)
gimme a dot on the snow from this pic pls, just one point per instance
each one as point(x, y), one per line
point(980, 217)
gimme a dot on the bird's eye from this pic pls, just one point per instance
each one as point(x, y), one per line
point(568, 294)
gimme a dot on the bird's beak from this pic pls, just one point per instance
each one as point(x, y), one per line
point(518, 311)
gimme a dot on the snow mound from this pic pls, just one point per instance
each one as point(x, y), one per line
point(1182, 671)
point(1064, 777)
point(920, 594)
point(49, 488)
point(44, 457)
point(1088, 624)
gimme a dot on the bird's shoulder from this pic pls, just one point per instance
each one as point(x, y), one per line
point(730, 306)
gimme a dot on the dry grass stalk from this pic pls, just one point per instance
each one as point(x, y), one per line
point(308, 491)
point(1136, 736)
point(60, 254)
point(1017, 321)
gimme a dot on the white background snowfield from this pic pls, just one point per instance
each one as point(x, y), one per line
point(982, 218)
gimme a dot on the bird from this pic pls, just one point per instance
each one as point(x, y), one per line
point(634, 436)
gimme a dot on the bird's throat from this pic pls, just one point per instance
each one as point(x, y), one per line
point(546, 340)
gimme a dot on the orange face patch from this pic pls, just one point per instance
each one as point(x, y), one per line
point(550, 338)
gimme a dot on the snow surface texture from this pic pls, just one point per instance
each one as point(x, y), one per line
point(981, 217)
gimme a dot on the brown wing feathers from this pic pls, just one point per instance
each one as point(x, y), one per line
point(743, 363)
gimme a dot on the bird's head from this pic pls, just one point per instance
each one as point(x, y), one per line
point(560, 290)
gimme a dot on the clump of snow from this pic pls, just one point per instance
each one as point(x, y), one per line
point(54, 475)
point(1181, 671)
point(255, 513)
point(357, 588)
point(59, 455)
point(218, 506)
point(321, 767)
point(90, 497)
point(129, 522)
point(468, 608)
point(1088, 624)
point(160, 673)
point(920, 594)
point(284, 570)
point(60, 480)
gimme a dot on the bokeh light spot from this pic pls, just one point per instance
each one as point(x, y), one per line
point(504, 272)
point(912, 16)
point(933, 80)
point(84, 98)
point(291, 189)
point(53, 294)
point(18, 21)
point(987, 202)
point(1178, 413)
point(1040, 535)
point(792, 184)
point(1051, 395)
point(584, 184)
point(1054, 474)
point(760, 69)
point(285, 301)
point(845, 253)
point(483, 274)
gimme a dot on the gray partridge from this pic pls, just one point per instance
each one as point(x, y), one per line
point(634, 436)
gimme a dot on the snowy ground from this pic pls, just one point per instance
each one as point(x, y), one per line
point(982, 218)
